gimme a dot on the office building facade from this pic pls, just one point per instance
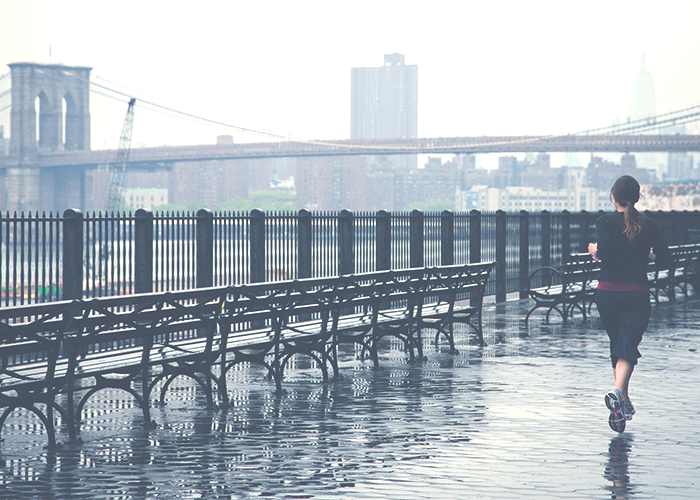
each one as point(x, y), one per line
point(384, 103)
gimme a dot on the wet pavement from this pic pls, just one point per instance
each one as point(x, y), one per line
point(523, 417)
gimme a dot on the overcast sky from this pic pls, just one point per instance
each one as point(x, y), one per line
point(484, 68)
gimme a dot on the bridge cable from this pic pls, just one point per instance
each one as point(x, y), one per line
point(251, 130)
point(177, 113)
point(637, 125)
point(649, 121)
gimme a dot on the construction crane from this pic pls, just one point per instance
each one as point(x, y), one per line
point(117, 169)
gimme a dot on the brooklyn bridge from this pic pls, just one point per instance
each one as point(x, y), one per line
point(50, 149)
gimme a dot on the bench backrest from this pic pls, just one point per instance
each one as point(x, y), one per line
point(137, 319)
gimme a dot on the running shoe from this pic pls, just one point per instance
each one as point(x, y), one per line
point(614, 402)
point(628, 408)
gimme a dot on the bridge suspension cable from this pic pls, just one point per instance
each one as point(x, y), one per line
point(112, 90)
point(171, 111)
point(5, 101)
point(678, 117)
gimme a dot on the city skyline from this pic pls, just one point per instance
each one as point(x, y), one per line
point(494, 69)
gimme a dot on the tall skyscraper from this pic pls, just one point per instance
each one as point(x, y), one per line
point(643, 95)
point(643, 105)
point(384, 102)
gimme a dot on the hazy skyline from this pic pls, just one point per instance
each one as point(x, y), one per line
point(497, 68)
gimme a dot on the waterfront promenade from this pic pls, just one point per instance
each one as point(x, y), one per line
point(522, 417)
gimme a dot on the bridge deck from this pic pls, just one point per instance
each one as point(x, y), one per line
point(439, 145)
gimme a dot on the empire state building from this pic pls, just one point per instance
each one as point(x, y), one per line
point(643, 95)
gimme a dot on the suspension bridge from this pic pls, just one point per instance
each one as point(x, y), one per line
point(48, 110)
point(628, 137)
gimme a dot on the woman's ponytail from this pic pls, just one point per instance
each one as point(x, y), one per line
point(633, 222)
point(625, 191)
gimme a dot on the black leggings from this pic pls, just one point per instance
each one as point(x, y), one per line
point(625, 316)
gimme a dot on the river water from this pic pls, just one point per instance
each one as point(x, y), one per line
point(522, 417)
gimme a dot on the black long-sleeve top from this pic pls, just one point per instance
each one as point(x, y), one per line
point(623, 262)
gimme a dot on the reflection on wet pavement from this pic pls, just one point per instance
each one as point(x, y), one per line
point(520, 417)
point(616, 470)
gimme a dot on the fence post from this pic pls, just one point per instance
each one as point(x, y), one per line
point(673, 224)
point(416, 239)
point(474, 236)
point(524, 252)
point(658, 216)
point(447, 238)
point(500, 256)
point(585, 239)
point(143, 251)
point(383, 237)
point(565, 236)
point(346, 243)
point(594, 236)
point(691, 227)
point(72, 254)
point(304, 244)
point(205, 248)
point(257, 246)
point(546, 238)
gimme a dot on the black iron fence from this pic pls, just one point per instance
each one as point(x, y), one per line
point(50, 257)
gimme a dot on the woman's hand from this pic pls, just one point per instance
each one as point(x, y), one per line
point(652, 257)
point(592, 248)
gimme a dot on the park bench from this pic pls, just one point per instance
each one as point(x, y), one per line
point(686, 271)
point(565, 288)
point(572, 286)
point(449, 299)
point(79, 347)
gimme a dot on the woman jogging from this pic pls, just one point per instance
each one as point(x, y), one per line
point(626, 242)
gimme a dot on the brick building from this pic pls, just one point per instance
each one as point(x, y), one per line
point(602, 174)
point(207, 183)
point(332, 182)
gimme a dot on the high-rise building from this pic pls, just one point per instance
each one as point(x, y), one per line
point(643, 94)
point(207, 183)
point(680, 168)
point(384, 103)
point(332, 183)
point(643, 105)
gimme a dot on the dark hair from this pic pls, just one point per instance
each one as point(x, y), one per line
point(625, 191)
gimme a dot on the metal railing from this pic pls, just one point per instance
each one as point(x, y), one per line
point(45, 258)
point(30, 258)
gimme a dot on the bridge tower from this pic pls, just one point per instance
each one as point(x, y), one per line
point(40, 93)
point(50, 112)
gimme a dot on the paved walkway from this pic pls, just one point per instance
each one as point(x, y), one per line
point(546, 432)
point(523, 417)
